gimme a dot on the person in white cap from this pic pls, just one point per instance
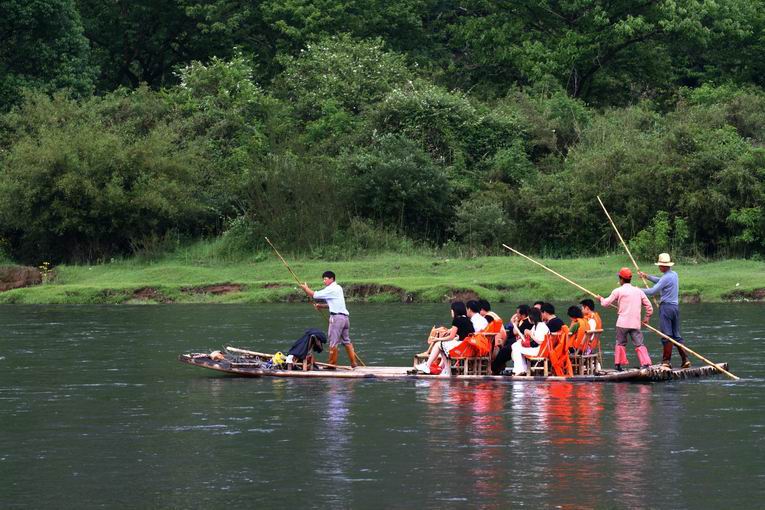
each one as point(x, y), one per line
point(668, 288)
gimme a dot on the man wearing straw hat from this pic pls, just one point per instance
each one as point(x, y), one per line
point(668, 287)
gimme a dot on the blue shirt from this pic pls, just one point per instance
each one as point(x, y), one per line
point(668, 287)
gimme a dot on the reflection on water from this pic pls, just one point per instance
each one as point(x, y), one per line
point(94, 410)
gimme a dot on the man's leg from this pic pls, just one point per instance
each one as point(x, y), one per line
point(675, 321)
point(665, 326)
point(333, 336)
point(642, 352)
point(500, 360)
point(620, 350)
point(346, 339)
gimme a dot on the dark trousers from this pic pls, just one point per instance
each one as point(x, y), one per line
point(669, 322)
point(503, 356)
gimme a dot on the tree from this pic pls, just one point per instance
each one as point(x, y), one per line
point(43, 48)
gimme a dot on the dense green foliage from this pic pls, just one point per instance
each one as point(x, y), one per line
point(334, 127)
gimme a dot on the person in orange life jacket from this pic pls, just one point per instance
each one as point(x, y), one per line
point(490, 317)
point(668, 288)
point(588, 309)
point(532, 338)
point(520, 320)
point(554, 324)
point(460, 329)
point(339, 323)
point(578, 328)
point(629, 300)
point(474, 314)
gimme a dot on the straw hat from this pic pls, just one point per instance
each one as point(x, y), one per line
point(664, 260)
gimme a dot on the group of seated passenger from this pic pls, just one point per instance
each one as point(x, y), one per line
point(519, 338)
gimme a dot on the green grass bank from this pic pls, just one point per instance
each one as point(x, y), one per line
point(380, 278)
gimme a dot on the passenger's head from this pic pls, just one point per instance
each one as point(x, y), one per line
point(535, 316)
point(588, 305)
point(328, 275)
point(575, 312)
point(485, 306)
point(523, 310)
point(458, 308)
point(548, 310)
point(473, 307)
point(538, 304)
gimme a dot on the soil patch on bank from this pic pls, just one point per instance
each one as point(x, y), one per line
point(363, 291)
point(16, 277)
point(150, 294)
point(745, 295)
point(216, 289)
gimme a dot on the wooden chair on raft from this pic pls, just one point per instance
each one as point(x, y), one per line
point(552, 356)
point(472, 356)
point(585, 359)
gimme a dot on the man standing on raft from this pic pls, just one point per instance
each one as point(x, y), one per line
point(629, 300)
point(668, 288)
point(339, 323)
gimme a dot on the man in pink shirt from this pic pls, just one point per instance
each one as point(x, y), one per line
point(629, 300)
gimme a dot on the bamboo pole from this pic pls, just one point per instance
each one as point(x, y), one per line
point(666, 337)
point(718, 367)
point(319, 310)
point(634, 262)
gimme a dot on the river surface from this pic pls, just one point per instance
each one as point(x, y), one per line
point(95, 412)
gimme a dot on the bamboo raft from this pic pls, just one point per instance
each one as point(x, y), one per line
point(246, 368)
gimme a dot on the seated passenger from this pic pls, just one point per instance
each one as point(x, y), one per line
point(538, 304)
point(521, 318)
point(554, 323)
point(461, 328)
point(577, 330)
point(490, 317)
point(474, 314)
point(531, 341)
point(593, 317)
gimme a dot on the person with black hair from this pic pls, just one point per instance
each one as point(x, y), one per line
point(593, 317)
point(554, 324)
point(452, 337)
point(519, 320)
point(486, 312)
point(532, 339)
point(577, 330)
point(474, 314)
point(538, 304)
point(339, 322)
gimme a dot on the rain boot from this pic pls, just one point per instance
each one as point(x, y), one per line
point(643, 357)
point(620, 357)
point(686, 363)
point(332, 357)
point(351, 354)
point(666, 355)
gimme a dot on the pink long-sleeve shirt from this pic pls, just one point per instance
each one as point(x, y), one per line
point(629, 300)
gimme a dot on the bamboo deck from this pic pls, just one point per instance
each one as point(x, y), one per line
point(653, 374)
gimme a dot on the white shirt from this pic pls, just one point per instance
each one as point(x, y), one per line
point(539, 331)
point(479, 322)
point(333, 295)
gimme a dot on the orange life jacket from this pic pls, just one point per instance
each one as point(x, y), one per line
point(477, 344)
point(579, 339)
point(596, 317)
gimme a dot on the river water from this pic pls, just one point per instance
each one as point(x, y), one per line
point(95, 412)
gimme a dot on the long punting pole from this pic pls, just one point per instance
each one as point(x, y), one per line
point(319, 310)
point(634, 262)
point(702, 358)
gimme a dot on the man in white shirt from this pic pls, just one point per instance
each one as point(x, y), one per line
point(339, 323)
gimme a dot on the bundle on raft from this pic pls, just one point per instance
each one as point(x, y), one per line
point(245, 363)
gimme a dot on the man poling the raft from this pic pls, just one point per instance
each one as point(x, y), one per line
point(702, 358)
point(629, 300)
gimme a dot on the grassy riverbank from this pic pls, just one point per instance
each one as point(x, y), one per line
point(380, 278)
